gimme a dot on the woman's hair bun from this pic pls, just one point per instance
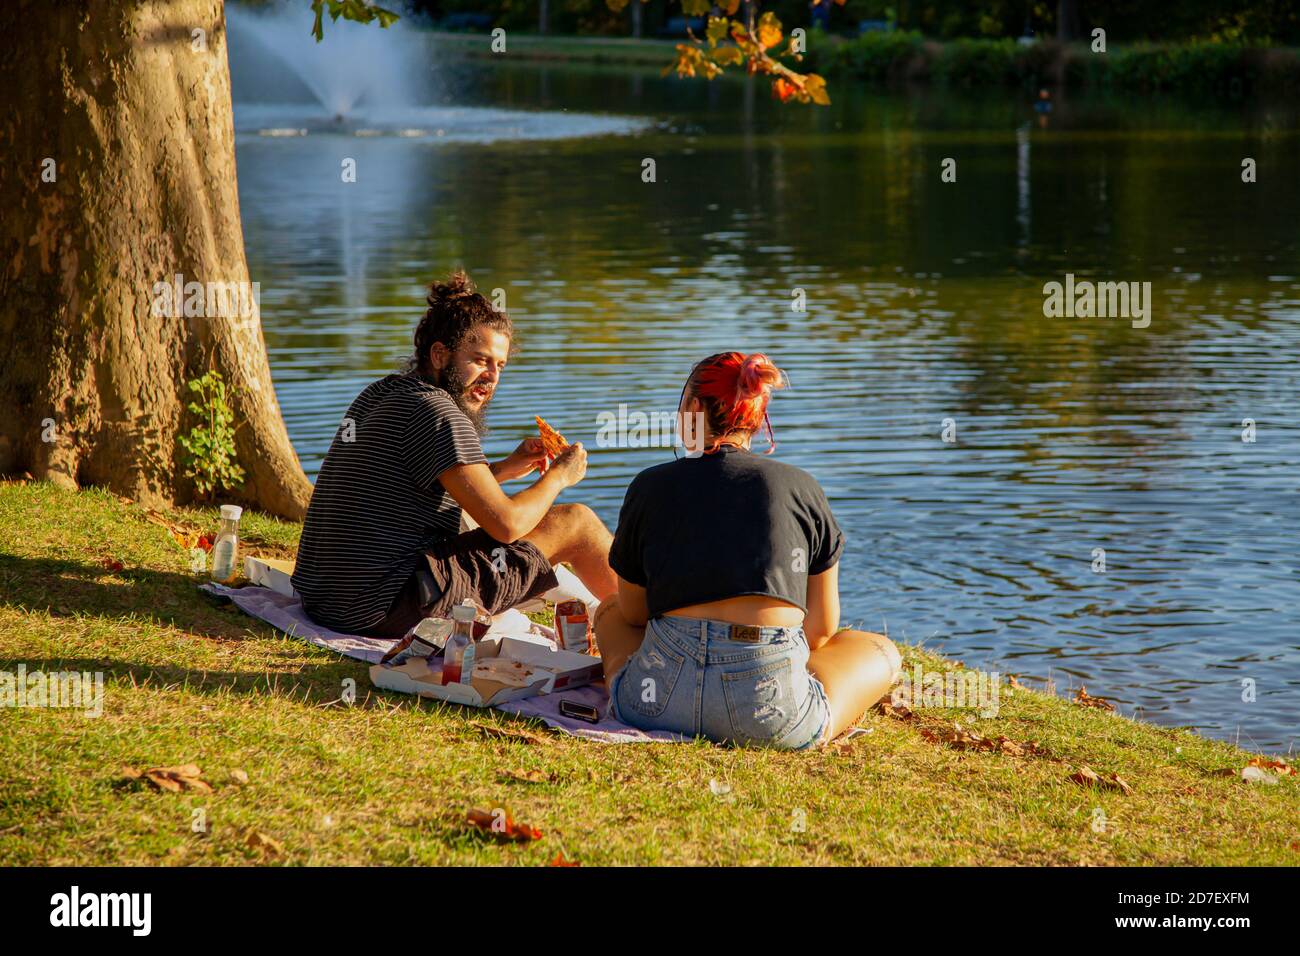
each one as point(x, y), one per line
point(757, 376)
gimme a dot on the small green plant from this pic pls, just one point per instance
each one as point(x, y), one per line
point(210, 445)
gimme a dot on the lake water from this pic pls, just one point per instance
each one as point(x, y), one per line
point(924, 302)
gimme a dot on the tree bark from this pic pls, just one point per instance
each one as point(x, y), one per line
point(134, 121)
point(1067, 21)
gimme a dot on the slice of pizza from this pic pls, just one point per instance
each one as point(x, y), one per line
point(552, 440)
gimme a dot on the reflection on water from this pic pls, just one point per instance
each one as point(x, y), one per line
point(924, 302)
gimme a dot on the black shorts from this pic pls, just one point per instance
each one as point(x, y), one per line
point(471, 565)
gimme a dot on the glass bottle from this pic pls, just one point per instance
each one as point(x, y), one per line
point(226, 548)
point(458, 657)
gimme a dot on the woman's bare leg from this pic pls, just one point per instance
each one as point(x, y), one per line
point(857, 668)
point(616, 638)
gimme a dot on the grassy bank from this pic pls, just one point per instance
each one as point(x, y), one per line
point(634, 52)
point(1217, 69)
point(90, 583)
point(1205, 69)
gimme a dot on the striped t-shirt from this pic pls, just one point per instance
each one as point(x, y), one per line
point(378, 503)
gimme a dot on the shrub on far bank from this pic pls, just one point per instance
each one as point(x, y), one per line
point(878, 57)
point(1219, 69)
point(976, 63)
point(1223, 69)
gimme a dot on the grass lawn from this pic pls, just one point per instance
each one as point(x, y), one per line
point(389, 779)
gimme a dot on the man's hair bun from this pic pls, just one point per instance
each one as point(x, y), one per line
point(457, 286)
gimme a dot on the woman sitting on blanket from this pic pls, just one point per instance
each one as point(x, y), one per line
point(726, 622)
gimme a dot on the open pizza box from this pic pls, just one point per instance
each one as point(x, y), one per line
point(523, 668)
point(273, 573)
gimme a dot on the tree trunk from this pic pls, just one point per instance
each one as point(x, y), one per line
point(1067, 21)
point(130, 114)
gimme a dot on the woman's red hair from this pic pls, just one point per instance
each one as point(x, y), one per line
point(736, 388)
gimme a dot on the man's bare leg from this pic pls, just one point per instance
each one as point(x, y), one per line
point(574, 534)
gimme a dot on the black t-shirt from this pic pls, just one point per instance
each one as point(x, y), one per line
point(378, 503)
point(723, 525)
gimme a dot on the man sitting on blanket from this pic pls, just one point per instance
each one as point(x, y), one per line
point(381, 545)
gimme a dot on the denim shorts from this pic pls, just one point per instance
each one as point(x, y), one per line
point(690, 677)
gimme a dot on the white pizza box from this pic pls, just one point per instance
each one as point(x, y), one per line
point(273, 573)
point(555, 670)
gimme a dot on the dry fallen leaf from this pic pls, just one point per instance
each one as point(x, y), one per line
point(1258, 769)
point(1279, 767)
point(188, 537)
point(898, 711)
point(171, 779)
point(499, 823)
point(1086, 777)
point(1007, 746)
point(264, 844)
point(561, 861)
point(1084, 699)
point(961, 739)
point(239, 777)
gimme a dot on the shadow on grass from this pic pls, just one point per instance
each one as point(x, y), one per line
point(316, 686)
point(67, 588)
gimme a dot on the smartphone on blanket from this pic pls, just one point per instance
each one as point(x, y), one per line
point(570, 708)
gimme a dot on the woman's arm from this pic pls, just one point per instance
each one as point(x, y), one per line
point(631, 603)
point(823, 618)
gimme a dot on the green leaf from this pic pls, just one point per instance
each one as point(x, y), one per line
point(716, 31)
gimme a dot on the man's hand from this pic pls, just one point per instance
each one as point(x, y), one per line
point(529, 456)
point(571, 466)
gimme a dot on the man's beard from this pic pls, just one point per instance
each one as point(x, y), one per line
point(453, 383)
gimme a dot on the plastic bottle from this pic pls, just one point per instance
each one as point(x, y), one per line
point(226, 548)
point(458, 658)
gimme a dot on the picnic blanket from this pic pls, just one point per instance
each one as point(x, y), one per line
point(286, 614)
